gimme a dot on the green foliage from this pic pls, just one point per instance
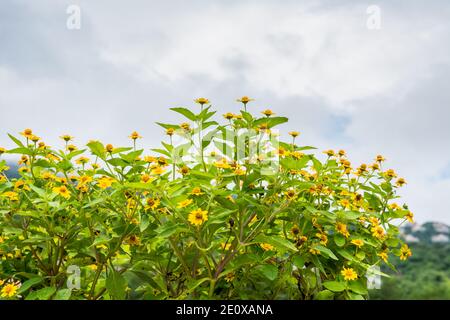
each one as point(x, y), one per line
point(220, 211)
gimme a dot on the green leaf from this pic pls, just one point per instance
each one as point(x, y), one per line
point(29, 283)
point(16, 141)
point(360, 255)
point(325, 295)
point(42, 163)
point(22, 150)
point(63, 294)
point(271, 121)
point(335, 286)
point(41, 294)
point(39, 191)
point(339, 239)
point(298, 261)
point(97, 149)
point(116, 285)
point(327, 252)
point(358, 287)
point(117, 162)
point(269, 271)
point(185, 112)
point(168, 126)
point(354, 296)
point(75, 153)
point(145, 222)
point(279, 243)
point(131, 156)
point(122, 149)
point(347, 255)
point(168, 229)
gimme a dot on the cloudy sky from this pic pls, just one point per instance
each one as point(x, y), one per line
point(342, 84)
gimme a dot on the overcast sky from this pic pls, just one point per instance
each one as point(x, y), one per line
point(343, 85)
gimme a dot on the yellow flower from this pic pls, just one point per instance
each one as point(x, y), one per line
point(82, 160)
point(197, 217)
point(23, 169)
point(62, 191)
point(297, 154)
point(295, 230)
point(66, 137)
point(329, 153)
point(82, 188)
point(11, 195)
point(223, 164)
point(294, 134)
point(341, 153)
point(282, 152)
point(400, 182)
point(228, 115)
point(405, 252)
point(349, 274)
point(410, 217)
point(290, 194)
point(342, 229)
point(378, 232)
point(93, 267)
point(84, 180)
point(375, 166)
point(374, 221)
point(394, 206)
point(390, 173)
point(225, 246)
point(230, 198)
point(170, 131)
point(380, 158)
point(383, 255)
point(158, 170)
point(229, 277)
point(201, 101)
point(134, 135)
point(150, 159)
point(239, 172)
point(345, 203)
point(27, 133)
point(184, 203)
point(145, 178)
point(266, 246)
point(184, 170)
point(71, 147)
point(2, 150)
point(23, 160)
point(196, 191)
point(152, 203)
point(133, 240)
point(185, 126)
point(314, 251)
point(109, 148)
point(358, 242)
point(105, 182)
point(267, 112)
point(10, 290)
point(323, 238)
point(245, 100)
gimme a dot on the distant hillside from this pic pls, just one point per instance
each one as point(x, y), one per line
point(12, 172)
point(427, 233)
point(426, 275)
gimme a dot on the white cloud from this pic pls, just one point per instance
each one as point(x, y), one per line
point(341, 84)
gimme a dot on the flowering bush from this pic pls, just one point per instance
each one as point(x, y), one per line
point(221, 211)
